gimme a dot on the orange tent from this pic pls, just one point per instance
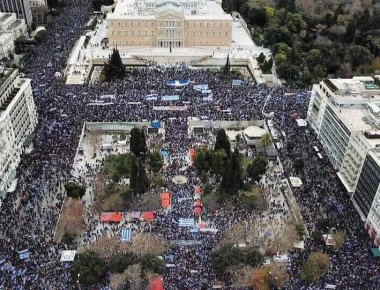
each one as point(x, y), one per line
point(165, 199)
point(148, 215)
point(197, 189)
point(110, 217)
point(156, 284)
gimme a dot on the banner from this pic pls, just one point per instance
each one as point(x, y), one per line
point(169, 108)
point(170, 98)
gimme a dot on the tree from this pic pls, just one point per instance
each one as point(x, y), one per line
point(119, 263)
point(20, 45)
point(299, 164)
point(151, 263)
point(75, 190)
point(254, 258)
point(138, 142)
point(222, 142)
point(226, 257)
point(260, 279)
point(155, 161)
point(68, 238)
point(339, 237)
point(266, 140)
point(257, 168)
point(316, 265)
point(261, 58)
point(358, 55)
point(227, 67)
point(134, 176)
point(114, 68)
point(90, 267)
point(142, 184)
point(300, 229)
point(232, 176)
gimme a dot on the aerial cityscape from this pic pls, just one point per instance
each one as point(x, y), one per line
point(189, 145)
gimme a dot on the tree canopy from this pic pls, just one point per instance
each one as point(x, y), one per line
point(222, 142)
point(138, 142)
point(114, 68)
point(90, 267)
point(232, 175)
point(75, 190)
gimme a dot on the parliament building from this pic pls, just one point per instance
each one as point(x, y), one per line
point(169, 24)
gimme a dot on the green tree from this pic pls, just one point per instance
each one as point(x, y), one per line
point(227, 67)
point(75, 190)
point(134, 176)
point(90, 267)
point(232, 176)
point(266, 140)
point(261, 58)
point(222, 142)
point(20, 45)
point(114, 68)
point(207, 189)
point(300, 230)
point(226, 257)
point(142, 179)
point(358, 55)
point(254, 258)
point(155, 161)
point(138, 142)
point(119, 263)
point(257, 168)
point(316, 266)
point(68, 238)
point(299, 164)
point(151, 263)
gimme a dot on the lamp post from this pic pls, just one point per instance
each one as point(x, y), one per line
point(78, 282)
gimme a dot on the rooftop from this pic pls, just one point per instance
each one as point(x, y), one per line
point(15, 24)
point(355, 89)
point(5, 16)
point(199, 9)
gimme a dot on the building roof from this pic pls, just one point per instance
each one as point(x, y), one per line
point(5, 16)
point(254, 131)
point(201, 10)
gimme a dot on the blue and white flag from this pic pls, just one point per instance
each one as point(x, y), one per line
point(24, 254)
point(126, 235)
point(186, 222)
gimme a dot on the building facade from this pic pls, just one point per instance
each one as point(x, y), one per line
point(169, 24)
point(18, 119)
point(40, 12)
point(6, 44)
point(20, 7)
point(10, 24)
point(345, 114)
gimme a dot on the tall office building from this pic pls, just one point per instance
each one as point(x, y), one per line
point(20, 7)
point(345, 114)
point(169, 24)
point(18, 119)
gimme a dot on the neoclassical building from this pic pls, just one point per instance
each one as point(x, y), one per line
point(169, 23)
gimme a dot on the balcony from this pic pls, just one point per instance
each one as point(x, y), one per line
point(9, 99)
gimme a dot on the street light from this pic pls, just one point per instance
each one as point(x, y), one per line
point(78, 282)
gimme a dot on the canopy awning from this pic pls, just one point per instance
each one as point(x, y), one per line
point(197, 210)
point(376, 252)
point(148, 215)
point(110, 217)
point(165, 199)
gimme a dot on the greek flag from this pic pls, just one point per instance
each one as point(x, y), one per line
point(186, 222)
point(126, 235)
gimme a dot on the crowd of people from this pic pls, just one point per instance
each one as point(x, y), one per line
point(29, 214)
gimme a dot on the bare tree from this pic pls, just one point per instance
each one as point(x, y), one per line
point(241, 276)
point(72, 218)
point(117, 280)
point(134, 274)
point(145, 243)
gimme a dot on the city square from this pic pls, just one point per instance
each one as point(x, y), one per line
point(182, 176)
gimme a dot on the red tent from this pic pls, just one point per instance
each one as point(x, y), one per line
point(197, 210)
point(156, 284)
point(165, 199)
point(110, 217)
point(148, 215)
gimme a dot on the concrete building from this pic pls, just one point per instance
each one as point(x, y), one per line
point(345, 114)
point(20, 7)
point(10, 24)
point(169, 24)
point(18, 118)
point(6, 44)
point(40, 12)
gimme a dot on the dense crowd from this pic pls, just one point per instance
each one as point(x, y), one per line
point(29, 215)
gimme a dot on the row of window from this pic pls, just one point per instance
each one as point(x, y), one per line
point(169, 24)
point(154, 42)
point(170, 33)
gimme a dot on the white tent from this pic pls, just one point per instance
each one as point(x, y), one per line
point(68, 256)
point(299, 245)
point(301, 122)
point(295, 181)
point(329, 240)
